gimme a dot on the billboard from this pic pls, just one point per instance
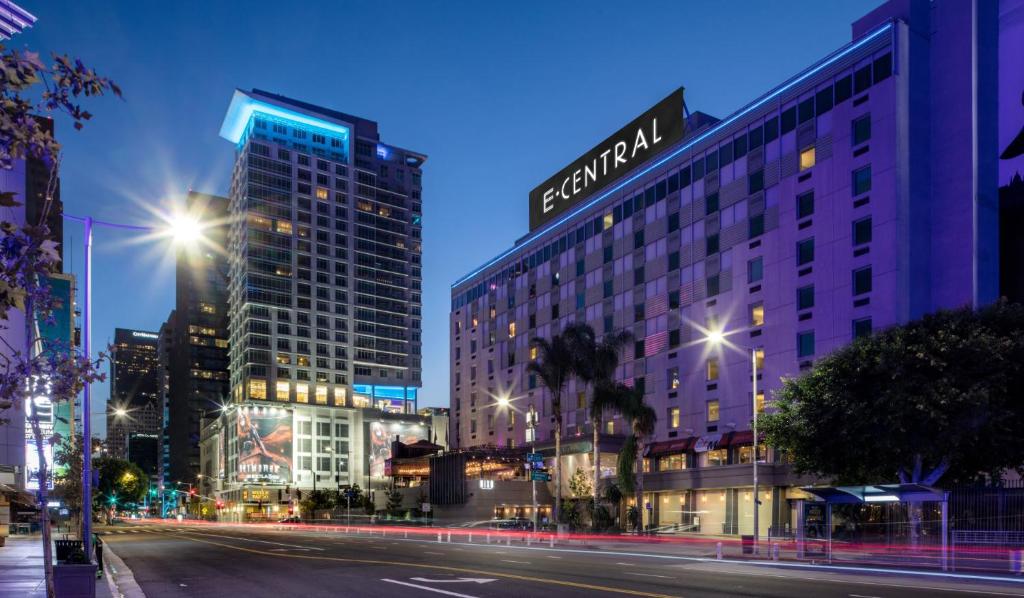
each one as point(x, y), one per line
point(264, 436)
point(379, 436)
point(645, 137)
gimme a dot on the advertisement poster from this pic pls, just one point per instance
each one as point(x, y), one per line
point(264, 445)
point(379, 436)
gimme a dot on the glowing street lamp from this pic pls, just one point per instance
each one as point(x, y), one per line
point(184, 230)
point(717, 338)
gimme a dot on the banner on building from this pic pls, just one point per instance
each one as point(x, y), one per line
point(264, 445)
point(380, 435)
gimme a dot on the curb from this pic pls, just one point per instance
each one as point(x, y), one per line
point(120, 578)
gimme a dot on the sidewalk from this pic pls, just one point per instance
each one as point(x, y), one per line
point(21, 569)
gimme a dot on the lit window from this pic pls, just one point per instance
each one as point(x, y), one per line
point(673, 417)
point(475, 321)
point(609, 220)
point(511, 329)
point(302, 393)
point(321, 395)
point(609, 427)
point(220, 343)
point(207, 308)
point(321, 193)
point(673, 378)
point(492, 312)
point(759, 401)
point(807, 158)
point(757, 315)
point(713, 410)
point(284, 358)
point(759, 358)
point(303, 361)
point(283, 227)
point(283, 391)
point(258, 389)
point(533, 353)
point(712, 369)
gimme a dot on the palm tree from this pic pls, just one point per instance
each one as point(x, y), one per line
point(554, 367)
point(641, 418)
point(595, 364)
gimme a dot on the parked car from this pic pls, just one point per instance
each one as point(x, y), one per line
point(290, 520)
point(515, 523)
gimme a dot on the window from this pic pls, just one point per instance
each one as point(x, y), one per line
point(861, 129)
point(258, 389)
point(712, 410)
point(712, 369)
point(672, 375)
point(862, 280)
point(638, 349)
point(805, 297)
point(638, 312)
point(673, 300)
point(302, 393)
point(638, 239)
point(713, 285)
point(861, 328)
point(757, 314)
point(756, 227)
point(673, 261)
point(673, 417)
point(805, 252)
point(533, 353)
point(511, 329)
point(759, 401)
point(862, 231)
point(609, 220)
point(805, 344)
point(756, 182)
point(638, 275)
point(804, 204)
point(807, 158)
point(579, 268)
point(607, 289)
point(755, 269)
point(608, 254)
point(712, 244)
point(715, 458)
point(283, 391)
point(672, 462)
point(862, 180)
point(711, 203)
point(759, 358)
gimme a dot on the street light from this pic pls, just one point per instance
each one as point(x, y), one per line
point(717, 338)
point(182, 229)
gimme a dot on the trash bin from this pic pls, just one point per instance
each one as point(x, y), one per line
point(748, 544)
point(75, 581)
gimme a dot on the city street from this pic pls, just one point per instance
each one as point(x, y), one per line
point(212, 560)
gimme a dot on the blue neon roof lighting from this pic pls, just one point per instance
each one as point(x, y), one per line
point(243, 106)
point(688, 144)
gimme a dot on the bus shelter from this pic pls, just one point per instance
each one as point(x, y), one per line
point(816, 529)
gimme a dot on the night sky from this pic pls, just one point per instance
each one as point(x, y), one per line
point(499, 97)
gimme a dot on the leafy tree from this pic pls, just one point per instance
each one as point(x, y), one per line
point(554, 367)
point(317, 500)
point(935, 399)
point(394, 504)
point(121, 482)
point(594, 365)
point(29, 87)
point(641, 418)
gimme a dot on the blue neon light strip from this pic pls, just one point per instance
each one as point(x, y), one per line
point(243, 106)
point(839, 54)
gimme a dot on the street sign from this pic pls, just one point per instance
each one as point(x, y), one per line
point(540, 476)
point(534, 457)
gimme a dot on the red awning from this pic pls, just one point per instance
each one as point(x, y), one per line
point(736, 439)
point(668, 447)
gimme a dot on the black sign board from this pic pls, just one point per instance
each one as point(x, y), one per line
point(640, 140)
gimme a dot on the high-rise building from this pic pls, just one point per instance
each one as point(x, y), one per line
point(198, 356)
point(324, 304)
point(165, 346)
point(135, 389)
point(856, 195)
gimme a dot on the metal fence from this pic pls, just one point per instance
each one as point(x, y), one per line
point(987, 508)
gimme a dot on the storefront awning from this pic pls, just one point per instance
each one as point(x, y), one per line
point(18, 496)
point(668, 447)
point(736, 439)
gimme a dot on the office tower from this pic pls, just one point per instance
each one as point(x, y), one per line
point(135, 376)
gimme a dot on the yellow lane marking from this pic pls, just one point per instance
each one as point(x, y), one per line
point(572, 584)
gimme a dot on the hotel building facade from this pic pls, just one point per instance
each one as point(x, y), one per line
point(857, 195)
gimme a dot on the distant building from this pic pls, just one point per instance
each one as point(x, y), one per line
point(165, 345)
point(198, 382)
point(144, 451)
point(134, 403)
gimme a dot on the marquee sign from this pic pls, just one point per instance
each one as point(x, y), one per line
point(655, 130)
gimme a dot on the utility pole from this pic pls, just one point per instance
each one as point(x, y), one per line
point(531, 431)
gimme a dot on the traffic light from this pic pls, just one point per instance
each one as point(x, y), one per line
point(192, 492)
point(220, 505)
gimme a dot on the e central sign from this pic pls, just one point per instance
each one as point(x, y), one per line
point(643, 138)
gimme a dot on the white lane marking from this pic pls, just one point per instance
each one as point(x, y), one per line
point(554, 557)
point(648, 575)
point(517, 562)
point(626, 564)
point(428, 588)
point(437, 553)
point(862, 596)
point(477, 580)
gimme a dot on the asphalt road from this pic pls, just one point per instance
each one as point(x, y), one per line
point(209, 560)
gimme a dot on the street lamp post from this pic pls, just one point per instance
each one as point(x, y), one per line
point(716, 337)
point(182, 229)
point(531, 428)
